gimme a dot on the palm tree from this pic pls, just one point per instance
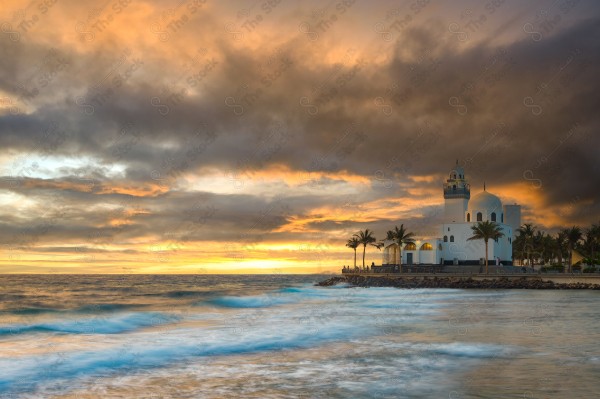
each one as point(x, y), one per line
point(517, 248)
point(390, 237)
point(548, 247)
point(592, 238)
point(596, 231)
point(561, 244)
point(527, 231)
point(353, 243)
point(573, 235)
point(401, 237)
point(365, 238)
point(538, 247)
point(484, 231)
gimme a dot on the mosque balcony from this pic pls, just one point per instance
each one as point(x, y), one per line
point(457, 193)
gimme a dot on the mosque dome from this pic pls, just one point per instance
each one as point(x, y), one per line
point(485, 206)
point(485, 201)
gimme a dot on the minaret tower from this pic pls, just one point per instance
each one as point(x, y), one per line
point(456, 193)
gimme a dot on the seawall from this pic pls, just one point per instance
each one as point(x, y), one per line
point(532, 281)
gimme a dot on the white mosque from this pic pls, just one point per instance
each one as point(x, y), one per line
point(460, 213)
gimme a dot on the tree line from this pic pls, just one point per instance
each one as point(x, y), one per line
point(537, 247)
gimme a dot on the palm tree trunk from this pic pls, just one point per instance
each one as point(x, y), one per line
point(570, 259)
point(355, 258)
point(560, 257)
point(399, 259)
point(364, 250)
point(486, 257)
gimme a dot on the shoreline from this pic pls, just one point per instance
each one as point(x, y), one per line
point(433, 281)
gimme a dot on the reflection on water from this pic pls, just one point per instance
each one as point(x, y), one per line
point(278, 336)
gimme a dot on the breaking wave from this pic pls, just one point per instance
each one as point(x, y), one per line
point(113, 324)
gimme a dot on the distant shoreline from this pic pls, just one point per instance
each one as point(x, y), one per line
point(481, 282)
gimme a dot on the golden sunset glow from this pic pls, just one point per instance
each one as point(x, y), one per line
point(145, 136)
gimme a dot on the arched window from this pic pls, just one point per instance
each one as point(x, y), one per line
point(440, 247)
point(454, 187)
point(479, 217)
point(451, 238)
point(426, 247)
point(410, 247)
point(493, 216)
point(445, 238)
point(454, 175)
point(468, 217)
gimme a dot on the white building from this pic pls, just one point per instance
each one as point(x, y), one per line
point(460, 213)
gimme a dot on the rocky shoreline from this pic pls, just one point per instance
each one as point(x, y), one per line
point(454, 282)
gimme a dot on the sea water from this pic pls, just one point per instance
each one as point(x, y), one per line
point(278, 336)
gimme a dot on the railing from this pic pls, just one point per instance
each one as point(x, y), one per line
point(459, 190)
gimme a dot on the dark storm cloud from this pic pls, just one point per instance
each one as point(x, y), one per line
point(520, 111)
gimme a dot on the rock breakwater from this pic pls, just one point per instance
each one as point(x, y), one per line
point(455, 282)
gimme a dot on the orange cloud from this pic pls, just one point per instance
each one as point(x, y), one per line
point(535, 207)
point(145, 190)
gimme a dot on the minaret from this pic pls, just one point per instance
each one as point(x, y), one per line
point(456, 193)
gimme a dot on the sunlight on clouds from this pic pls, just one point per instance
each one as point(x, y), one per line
point(425, 179)
point(139, 190)
point(270, 181)
point(35, 165)
point(16, 204)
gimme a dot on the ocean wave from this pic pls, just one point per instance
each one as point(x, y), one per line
point(179, 345)
point(256, 301)
point(470, 350)
point(29, 311)
point(403, 306)
point(85, 309)
point(107, 307)
point(186, 294)
point(113, 324)
point(378, 297)
point(292, 290)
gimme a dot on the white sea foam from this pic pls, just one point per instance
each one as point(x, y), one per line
point(170, 346)
point(102, 324)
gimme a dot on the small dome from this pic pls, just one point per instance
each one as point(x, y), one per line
point(485, 202)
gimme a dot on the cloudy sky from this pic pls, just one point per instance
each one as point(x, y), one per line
point(258, 136)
